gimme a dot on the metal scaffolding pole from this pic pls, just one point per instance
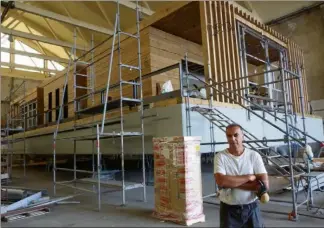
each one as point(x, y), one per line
point(141, 98)
point(302, 104)
point(98, 168)
point(188, 118)
point(121, 108)
point(100, 134)
point(24, 128)
point(292, 180)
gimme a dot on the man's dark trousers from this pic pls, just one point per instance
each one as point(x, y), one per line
point(247, 215)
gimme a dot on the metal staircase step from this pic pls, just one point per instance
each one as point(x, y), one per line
point(261, 148)
point(274, 156)
point(280, 165)
point(219, 120)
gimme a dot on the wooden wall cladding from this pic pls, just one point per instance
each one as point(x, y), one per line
point(296, 65)
point(166, 50)
point(220, 46)
point(102, 57)
point(221, 50)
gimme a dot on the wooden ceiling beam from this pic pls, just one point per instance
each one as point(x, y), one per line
point(35, 68)
point(132, 5)
point(54, 34)
point(33, 45)
point(69, 15)
point(40, 56)
point(58, 17)
point(39, 38)
point(7, 72)
point(104, 14)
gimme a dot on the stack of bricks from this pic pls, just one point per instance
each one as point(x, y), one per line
point(177, 180)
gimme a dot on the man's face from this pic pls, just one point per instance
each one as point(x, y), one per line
point(234, 136)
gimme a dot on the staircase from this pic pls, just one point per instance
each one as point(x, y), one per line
point(283, 166)
point(279, 162)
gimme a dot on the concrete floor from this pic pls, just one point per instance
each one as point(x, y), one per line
point(136, 213)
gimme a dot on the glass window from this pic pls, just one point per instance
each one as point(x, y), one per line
point(23, 47)
point(29, 61)
point(52, 65)
point(29, 111)
point(4, 41)
point(5, 57)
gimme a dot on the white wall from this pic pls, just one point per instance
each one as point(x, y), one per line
point(170, 121)
point(160, 122)
point(256, 126)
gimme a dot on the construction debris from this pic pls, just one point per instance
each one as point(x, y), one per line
point(19, 203)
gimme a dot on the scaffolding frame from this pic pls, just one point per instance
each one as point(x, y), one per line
point(100, 134)
point(286, 75)
point(10, 129)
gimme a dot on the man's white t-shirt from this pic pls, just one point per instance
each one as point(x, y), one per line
point(249, 162)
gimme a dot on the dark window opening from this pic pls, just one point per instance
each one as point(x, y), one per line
point(66, 107)
point(50, 107)
point(57, 103)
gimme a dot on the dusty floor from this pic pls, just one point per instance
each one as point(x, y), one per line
point(135, 213)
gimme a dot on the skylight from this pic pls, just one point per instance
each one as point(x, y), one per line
point(24, 60)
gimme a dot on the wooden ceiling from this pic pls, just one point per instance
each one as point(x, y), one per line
point(184, 23)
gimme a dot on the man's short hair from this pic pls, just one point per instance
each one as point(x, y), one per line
point(234, 125)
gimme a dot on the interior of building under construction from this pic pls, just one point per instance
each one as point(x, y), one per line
point(119, 109)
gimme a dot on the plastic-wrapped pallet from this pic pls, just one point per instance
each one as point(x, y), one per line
point(177, 180)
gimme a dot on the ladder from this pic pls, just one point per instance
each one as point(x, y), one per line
point(73, 50)
point(137, 101)
point(12, 126)
point(280, 162)
point(90, 75)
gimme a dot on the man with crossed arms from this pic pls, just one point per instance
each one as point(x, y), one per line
point(237, 171)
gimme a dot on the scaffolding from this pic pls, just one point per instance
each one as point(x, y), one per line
point(107, 104)
point(286, 167)
point(14, 124)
